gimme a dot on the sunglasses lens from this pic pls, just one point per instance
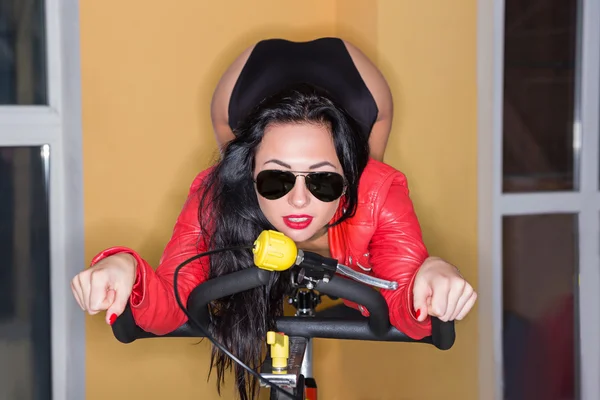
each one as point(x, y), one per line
point(272, 184)
point(325, 186)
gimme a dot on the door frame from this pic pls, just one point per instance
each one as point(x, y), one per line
point(494, 205)
point(57, 127)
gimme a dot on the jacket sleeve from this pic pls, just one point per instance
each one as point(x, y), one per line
point(152, 300)
point(396, 253)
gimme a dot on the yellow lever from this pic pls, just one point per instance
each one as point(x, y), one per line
point(274, 251)
point(280, 350)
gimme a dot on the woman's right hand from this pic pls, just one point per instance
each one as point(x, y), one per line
point(106, 286)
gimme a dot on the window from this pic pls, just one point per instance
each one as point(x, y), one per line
point(41, 223)
point(22, 53)
point(539, 198)
point(540, 50)
point(25, 301)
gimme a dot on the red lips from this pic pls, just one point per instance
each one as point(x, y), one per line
point(297, 221)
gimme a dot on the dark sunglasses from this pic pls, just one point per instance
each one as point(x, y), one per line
point(273, 184)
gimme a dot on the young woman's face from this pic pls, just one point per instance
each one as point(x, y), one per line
point(299, 148)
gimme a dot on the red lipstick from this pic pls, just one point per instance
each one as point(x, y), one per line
point(297, 221)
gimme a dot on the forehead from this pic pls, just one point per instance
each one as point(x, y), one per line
point(301, 142)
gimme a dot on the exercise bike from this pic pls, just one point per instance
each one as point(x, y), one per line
point(288, 364)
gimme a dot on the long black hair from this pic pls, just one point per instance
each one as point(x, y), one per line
point(230, 216)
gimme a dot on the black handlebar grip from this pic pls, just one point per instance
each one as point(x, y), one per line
point(379, 319)
point(124, 328)
point(442, 333)
point(222, 286)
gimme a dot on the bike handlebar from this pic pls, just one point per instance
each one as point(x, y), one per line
point(376, 327)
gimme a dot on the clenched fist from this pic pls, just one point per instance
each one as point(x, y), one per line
point(441, 291)
point(106, 286)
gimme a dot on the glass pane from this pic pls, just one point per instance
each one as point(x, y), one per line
point(25, 357)
point(540, 272)
point(22, 52)
point(539, 88)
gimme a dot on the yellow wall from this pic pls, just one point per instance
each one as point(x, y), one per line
point(149, 69)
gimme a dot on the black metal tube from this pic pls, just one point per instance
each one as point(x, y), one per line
point(350, 329)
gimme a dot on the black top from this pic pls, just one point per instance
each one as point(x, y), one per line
point(325, 63)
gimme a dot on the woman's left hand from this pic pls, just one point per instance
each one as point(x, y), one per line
point(440, 290)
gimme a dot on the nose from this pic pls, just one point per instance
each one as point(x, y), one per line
point(299, 196)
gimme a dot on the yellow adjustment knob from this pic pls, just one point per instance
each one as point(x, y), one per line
point(274, 251)
point(280, 350)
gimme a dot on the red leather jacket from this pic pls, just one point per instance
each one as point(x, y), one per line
point(383, 238)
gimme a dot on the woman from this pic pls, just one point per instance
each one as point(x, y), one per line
point(300, 165)
point(330, 63)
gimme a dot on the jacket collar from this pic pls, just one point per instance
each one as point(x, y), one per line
point(337, 237)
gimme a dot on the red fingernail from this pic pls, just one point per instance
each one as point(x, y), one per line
point(113, 318)
point(418, 313)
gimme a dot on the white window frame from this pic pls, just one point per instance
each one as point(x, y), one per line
point(58, 125)
point(493, 204)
